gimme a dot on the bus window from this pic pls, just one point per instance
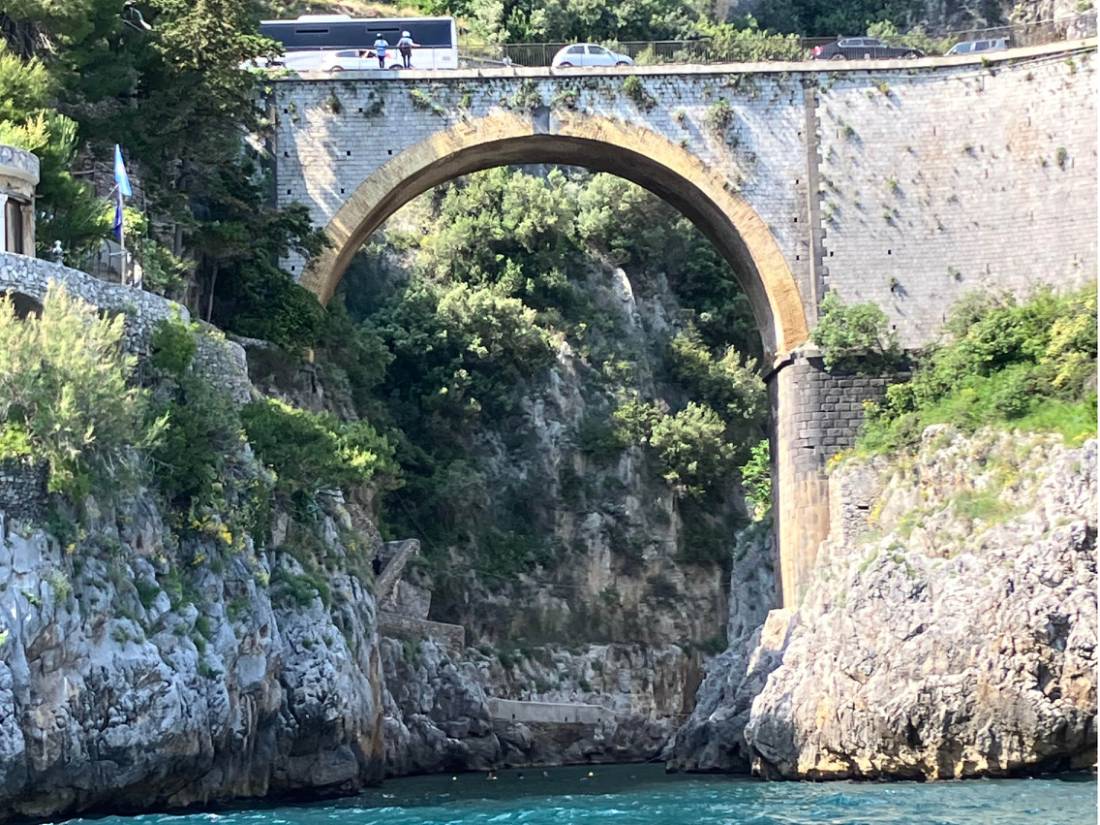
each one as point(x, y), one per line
point(305, 41)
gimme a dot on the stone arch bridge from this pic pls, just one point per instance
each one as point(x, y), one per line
point(905, 183)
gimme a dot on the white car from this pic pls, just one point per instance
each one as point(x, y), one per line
point(588, 54)
point(357, 60)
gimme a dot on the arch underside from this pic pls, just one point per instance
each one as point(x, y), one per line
point(598, 144)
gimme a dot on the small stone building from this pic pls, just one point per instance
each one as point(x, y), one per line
point(18, 177)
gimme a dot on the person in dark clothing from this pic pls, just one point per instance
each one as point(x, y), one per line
point(405, 46)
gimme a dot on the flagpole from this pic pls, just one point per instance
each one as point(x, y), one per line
point(122, 183)
point(122, 243)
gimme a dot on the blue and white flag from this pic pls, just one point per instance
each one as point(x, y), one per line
point(121, 178)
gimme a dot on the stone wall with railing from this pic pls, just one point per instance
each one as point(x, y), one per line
point(221, 361)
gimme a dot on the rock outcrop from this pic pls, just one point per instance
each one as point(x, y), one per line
point(438, 705)
point(154, 656)
point(712, 739)
point(950, 630)
point(126, 682)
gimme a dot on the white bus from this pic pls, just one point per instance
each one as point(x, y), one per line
point(337, 42)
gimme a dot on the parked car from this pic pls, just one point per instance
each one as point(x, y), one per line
point(995, 44)
point(588, 54)
point(355, 60)
point(862, 48)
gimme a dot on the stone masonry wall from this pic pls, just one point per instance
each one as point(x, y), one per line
point(220, 361)
point(22, 490)
point(398, 626)
point(978, 178)
point(933, 177)
point(511, 710)
point(814, 415)
point(32, 277)
point(828, 410)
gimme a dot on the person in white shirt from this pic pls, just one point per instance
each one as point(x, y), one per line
point(380, 46)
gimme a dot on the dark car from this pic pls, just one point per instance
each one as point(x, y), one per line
point(862, 48)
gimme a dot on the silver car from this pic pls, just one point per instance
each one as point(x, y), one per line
point(588, 54)
point(994, 44)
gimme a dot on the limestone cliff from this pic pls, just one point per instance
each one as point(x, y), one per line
point(439, 705)
point(950, 629)
point(153, 655)
point(128, 682)
point(619, 561)
point(712, 739)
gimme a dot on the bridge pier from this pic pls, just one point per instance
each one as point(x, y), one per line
point(814, 415)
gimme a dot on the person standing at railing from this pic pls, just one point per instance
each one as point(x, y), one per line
point(405, 46)
point(380, 46)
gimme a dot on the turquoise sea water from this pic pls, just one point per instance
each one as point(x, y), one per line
point(644, 795)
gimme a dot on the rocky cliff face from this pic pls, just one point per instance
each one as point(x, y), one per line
point(439, 717)
point(950, 630)
point(150, 657)
point(618, 539)
point(126, 681)
point(712, 738)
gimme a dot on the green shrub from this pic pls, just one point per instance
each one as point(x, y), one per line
point(173, 346)
point(730, 384)
point(634, 89)
point(15, 441)
point(748, 43)
point(66, 396)
point(1029, 364)
point(719, 116)
point(756, 480)
point(264, 302)
point(59, 583)
point(311, 451)
point(633, 421)
point(916, 37)
point(597, 436)
point(692, 449)
point(147, 592)
point(527, 96)
point(856, 336)
point(299, 589)
point(202, 437)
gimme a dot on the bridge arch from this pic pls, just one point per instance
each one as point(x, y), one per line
point(601, 144)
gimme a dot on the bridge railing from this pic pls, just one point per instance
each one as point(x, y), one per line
point(706, 50)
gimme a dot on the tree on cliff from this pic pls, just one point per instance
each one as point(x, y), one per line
point(177, 98)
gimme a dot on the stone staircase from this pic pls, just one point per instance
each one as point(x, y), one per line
point(403, 607)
